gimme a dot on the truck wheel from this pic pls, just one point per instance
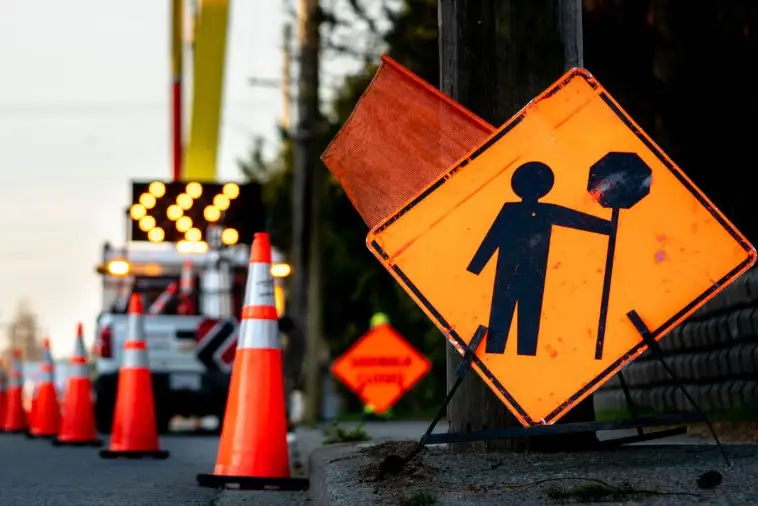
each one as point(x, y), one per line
point(164, 422)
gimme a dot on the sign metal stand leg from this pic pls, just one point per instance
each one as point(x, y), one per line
point(460, 374)
point(657, 352)
point(635, 422)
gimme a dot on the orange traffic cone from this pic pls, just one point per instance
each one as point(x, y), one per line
point(31, 413)
point(15, 415)
point(135, 430)
point(163, 299)
point(186, 289)
point(253, 451)
point(78, 422)
point(45, 407)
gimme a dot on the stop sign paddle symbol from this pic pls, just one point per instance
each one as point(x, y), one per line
point(616, 181)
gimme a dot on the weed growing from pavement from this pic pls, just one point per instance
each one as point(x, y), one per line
point(336, 434)
point(419, 498)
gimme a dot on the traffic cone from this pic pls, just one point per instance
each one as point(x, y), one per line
point(31, 413)
point(186, 289)
point(135, 430)
point(45, 407)
point(163, 299)
point(77, 426)
point(253, 451)
point(15, 415)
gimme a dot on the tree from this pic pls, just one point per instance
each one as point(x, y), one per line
point(355, 286)
point(23, 333)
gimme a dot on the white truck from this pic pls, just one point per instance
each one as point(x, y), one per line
point(190, 354)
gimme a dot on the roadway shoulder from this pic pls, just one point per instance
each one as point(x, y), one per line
point(333, 475)
point(350, 474)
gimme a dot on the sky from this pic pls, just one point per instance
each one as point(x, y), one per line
point(84, 108)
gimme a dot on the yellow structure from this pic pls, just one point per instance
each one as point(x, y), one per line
point(208, 73)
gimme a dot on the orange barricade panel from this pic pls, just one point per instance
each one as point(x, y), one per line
point(402, 134)
point(549, 234)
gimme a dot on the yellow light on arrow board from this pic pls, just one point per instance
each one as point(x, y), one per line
point(174, 212)
point(194, 190)
point(184, 223)
point(147, 200)
point(221, 201)
point(184, 201)
point(191, 247)
point(157, 188)
point(156, 234)
point(212, 213)
point(146, 223)
point(231, 190)
point(193, 235)
point(137, 211)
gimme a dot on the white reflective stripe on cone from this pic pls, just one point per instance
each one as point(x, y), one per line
point(46, 377)
point(260, 286)
point(78, 371)
point(134, 328)
point(257, 334)
point(79, 350)
point(134, 358)
point(18, 368)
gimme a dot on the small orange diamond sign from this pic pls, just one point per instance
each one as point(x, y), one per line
point(381, 367)
point(549, 234)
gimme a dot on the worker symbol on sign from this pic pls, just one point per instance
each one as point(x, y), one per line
point(521, 235)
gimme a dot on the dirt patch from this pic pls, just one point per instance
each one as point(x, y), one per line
point(394, 459)
point(399, 473)
point(728, 432)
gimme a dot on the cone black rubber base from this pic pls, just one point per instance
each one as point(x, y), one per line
point(94, 443)
point(17, 431)
point(157, 454)
point(29, 435)
point(252, 483)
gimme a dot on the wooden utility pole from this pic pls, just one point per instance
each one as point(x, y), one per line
point(286, 76)
point(495, 56)
point(305, 300)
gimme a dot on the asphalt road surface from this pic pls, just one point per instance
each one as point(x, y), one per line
point(33, 472)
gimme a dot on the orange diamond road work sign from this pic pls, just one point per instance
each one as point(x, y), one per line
point(566, 219)
point(381, 367)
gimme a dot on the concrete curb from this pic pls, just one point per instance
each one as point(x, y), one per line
point(491, 478)
point(328, 483)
